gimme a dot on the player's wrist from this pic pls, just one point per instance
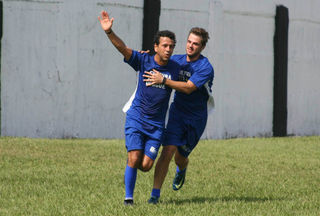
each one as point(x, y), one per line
point(108, 31)
point(164, 80)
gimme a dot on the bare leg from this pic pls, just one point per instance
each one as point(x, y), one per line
point(146, 164)
point(162, 165)
point(181, 161)
point(135, 158)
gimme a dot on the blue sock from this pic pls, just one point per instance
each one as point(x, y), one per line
point(178, 170)
point(130, 177)
point(155, 192)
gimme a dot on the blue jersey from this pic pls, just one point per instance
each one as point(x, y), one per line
point(201, 73)
point(150, 103)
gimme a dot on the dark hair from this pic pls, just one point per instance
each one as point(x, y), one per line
point(202, 33)
point(164, 33)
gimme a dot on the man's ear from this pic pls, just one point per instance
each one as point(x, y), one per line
point(155, 47)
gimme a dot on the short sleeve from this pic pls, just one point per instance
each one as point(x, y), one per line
point(135, 60)
point(202, 75)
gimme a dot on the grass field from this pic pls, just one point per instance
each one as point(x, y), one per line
point(254, 176)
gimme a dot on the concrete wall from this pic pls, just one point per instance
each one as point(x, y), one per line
point(304, 68)
point(61, 77)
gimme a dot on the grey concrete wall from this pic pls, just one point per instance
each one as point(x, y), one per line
point(304, 68)
point(61, 77)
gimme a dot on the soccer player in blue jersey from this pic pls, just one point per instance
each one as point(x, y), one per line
point(189, 111)
point(145, 118)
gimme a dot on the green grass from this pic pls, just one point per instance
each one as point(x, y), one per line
point(254, 176)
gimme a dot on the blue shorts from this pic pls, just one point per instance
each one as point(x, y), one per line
point(141, 137)
point(183, 132)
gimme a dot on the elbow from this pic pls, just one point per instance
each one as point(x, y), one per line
point(186, 88)
point(189, 88)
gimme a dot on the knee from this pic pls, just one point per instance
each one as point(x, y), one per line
point(134, 161)
point(146, 166)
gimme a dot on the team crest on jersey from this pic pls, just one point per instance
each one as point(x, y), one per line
point(184, 75)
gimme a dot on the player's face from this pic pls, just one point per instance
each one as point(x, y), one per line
point(165, 48)
point(194, 46)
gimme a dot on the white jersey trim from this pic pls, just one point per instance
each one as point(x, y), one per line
point(127, 106)
point(210, 102)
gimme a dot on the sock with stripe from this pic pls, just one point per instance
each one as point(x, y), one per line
point(130, 177)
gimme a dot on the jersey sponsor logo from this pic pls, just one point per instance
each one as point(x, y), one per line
point(162, 86)
point(184, 75)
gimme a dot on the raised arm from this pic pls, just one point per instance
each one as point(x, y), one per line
point(106, 25)
point(157, 78)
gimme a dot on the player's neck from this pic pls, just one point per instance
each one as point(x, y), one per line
point(159, 60)
point(193, 58)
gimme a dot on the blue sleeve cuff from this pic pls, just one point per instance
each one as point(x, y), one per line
point(134, 53)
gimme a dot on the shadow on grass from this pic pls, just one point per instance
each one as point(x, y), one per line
point(221, 199)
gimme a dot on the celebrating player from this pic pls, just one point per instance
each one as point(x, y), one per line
point(188, 112)
point(146, 113)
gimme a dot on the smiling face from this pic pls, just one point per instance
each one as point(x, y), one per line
point(193, 47)
point(164, 50)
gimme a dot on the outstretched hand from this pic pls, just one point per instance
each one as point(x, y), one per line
point(105, 21)
point(154, 77)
